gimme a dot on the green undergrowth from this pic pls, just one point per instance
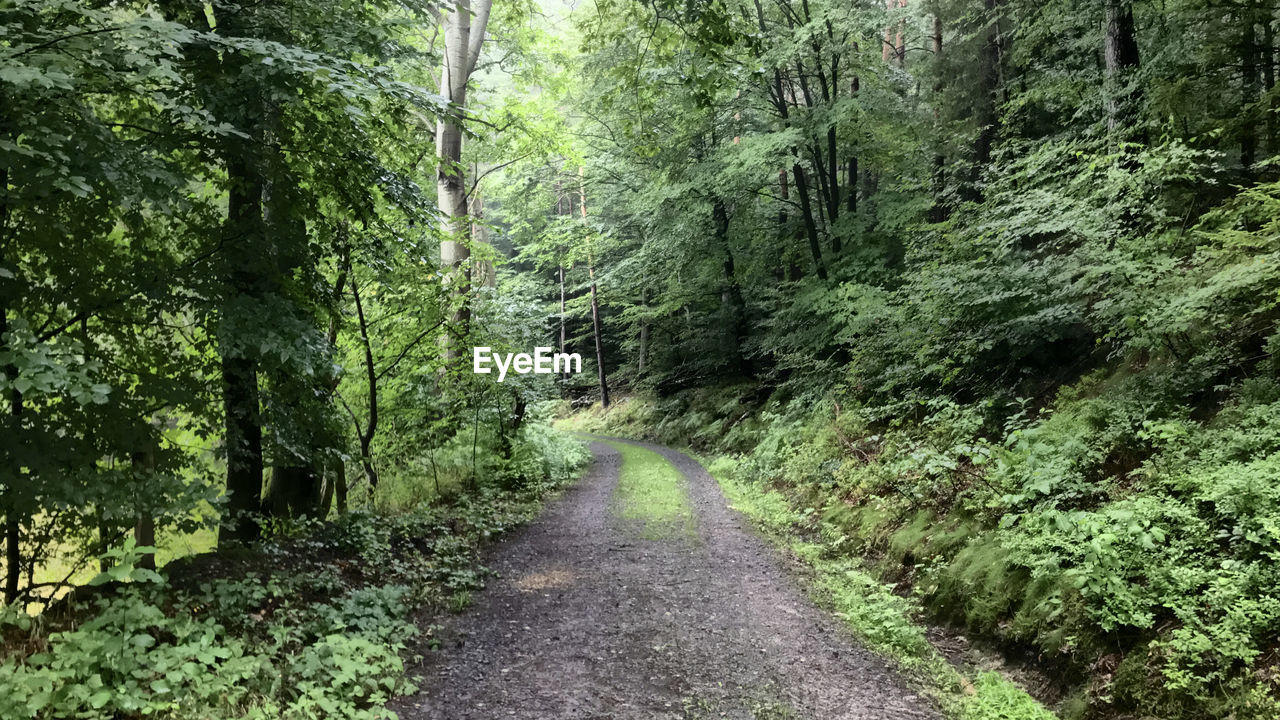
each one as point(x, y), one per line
point(317, 621)
point(651, 493)
point(884, 621)
point(1125, 534)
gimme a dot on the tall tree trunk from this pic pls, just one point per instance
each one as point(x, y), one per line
point(563, 207)
point(244, 449)
point(1120, 54)
point(564, 337)
point(781, 100)
point(644, 346)
point(595, 302)
point(810, 227)
point(644, 333)
point(246, 276)
point(340, 489)
point(1248, 90)
point(595, 326)
point(938, 212)
point(852, 179)
point(900, 47)
point(827, 169)
point(989, 59)
point(296, 482)
point(336, 479)
point(784, 193)
point(820, 175)
point(371, 426)
point(144, 529)
point(894, 47)
point(485, 274)
point(12, 515)
point(731, 294)
point(833, 181)
point(814, 149)
point(12, 555)
point(240, 392)
point(8, 499)
point(463, 37)
point(887, 48)
point(852, 182)
point(326, 494)
point(1268, 57)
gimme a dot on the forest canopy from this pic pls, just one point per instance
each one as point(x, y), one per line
point(989, 286)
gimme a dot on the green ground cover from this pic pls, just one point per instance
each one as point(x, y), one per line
point(652, 493)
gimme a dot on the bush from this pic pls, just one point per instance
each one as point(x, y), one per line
point(1116, 523)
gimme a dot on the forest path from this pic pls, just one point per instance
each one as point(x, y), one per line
point(594, 615)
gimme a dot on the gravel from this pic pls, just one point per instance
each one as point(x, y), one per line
point(587, 619)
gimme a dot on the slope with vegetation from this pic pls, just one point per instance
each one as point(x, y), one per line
point(223, 306)
point(987, 289)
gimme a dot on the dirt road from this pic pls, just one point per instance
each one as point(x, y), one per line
point(589, 619)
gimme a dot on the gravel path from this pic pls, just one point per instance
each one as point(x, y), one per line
point(587, 620)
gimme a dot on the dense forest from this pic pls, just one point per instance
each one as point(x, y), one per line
point(979, 297)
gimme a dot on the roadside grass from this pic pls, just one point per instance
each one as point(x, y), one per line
point(882, 620)
point(651, 492)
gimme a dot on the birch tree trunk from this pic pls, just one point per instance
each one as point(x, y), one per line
point(483, 273)
point(463, 36)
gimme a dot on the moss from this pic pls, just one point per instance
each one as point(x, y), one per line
point(995, 698)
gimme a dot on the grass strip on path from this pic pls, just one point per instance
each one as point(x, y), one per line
point(651, 492)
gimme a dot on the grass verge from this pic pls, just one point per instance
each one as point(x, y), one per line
point(882, 620)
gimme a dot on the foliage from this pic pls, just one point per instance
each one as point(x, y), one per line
point(986, 290)
point(1024, 361)
point(881, 618)
point(315, 625)
point(1015, 536)
point(995, 699)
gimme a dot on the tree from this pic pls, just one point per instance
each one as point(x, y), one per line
point(463, 41)
point(596, 332)
point(1121, 54)
point(160, 291)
